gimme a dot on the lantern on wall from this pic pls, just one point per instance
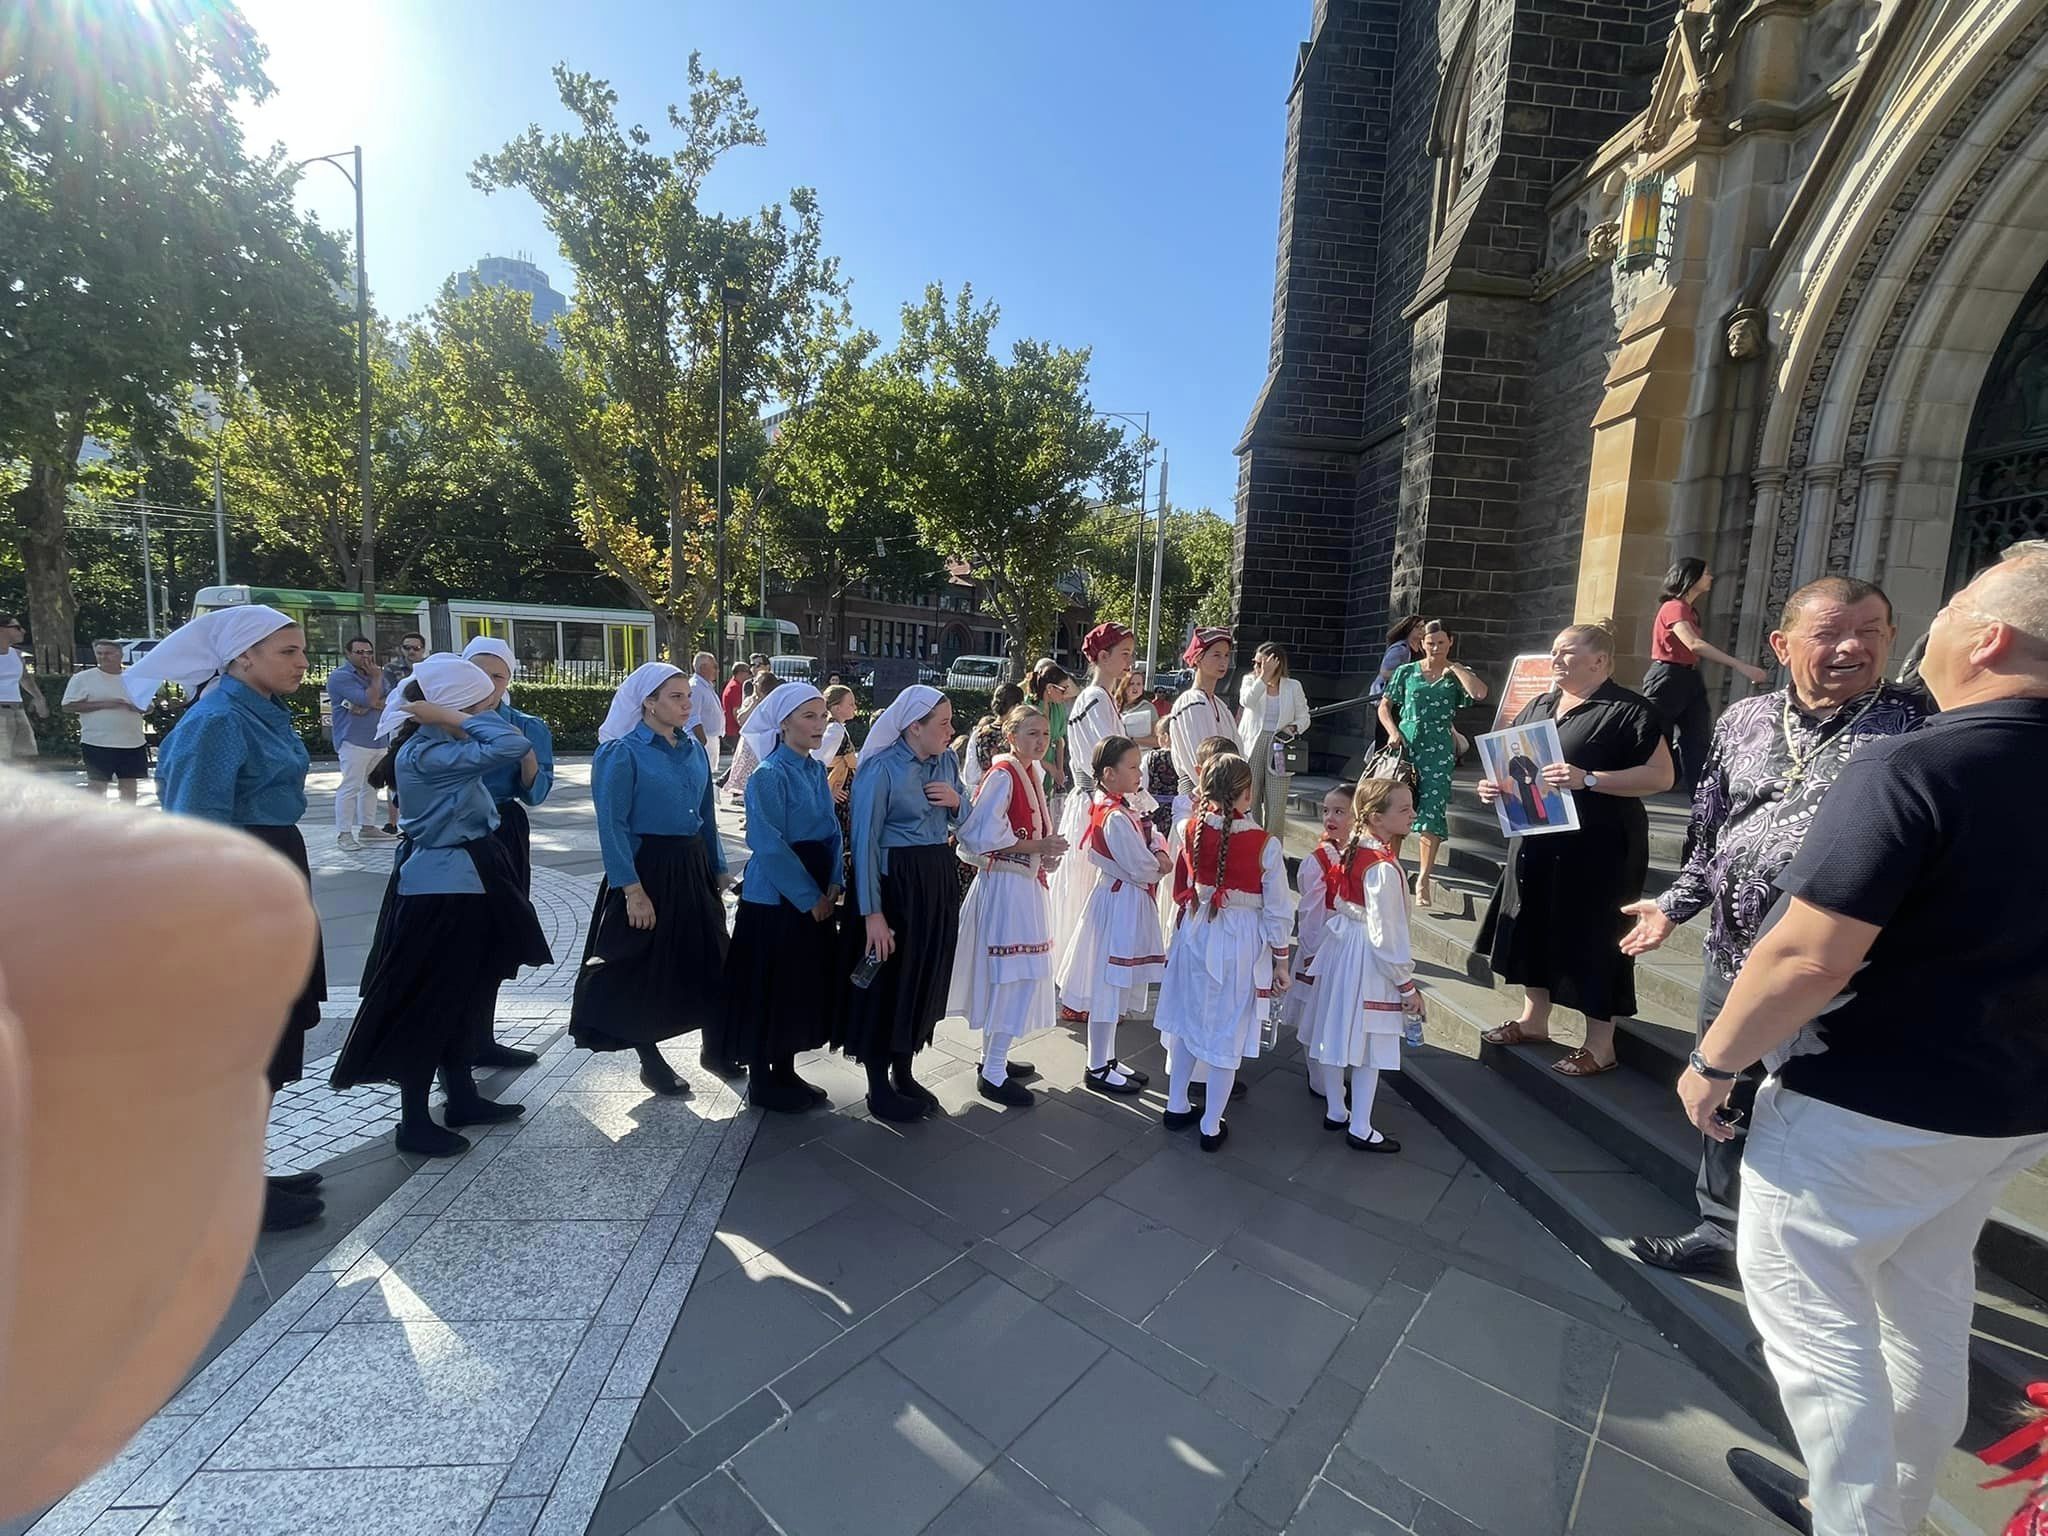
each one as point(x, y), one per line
point(1642, 217)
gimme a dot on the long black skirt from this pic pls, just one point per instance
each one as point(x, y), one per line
point(896, 1014)
point(639, 986)
point(1556, 919)
point(515, 833)
point(783, 976)
point(435, 965)
point(288, 1061)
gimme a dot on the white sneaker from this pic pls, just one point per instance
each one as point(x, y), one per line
point(348, 842)
point(372, 835)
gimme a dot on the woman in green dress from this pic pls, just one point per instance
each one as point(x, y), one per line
point(1421, 701)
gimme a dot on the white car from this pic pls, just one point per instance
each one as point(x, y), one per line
point(982, 672)
point(794, 669)
point(133, 651)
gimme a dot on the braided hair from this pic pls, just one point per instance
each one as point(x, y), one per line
point(1225, 781)
point(385, 774)
point(1371, 798)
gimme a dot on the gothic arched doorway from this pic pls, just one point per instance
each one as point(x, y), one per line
point(2004, 496)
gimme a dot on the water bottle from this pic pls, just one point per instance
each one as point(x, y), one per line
point(1271, 1031)
point(1411, 1029)
point(864, 974)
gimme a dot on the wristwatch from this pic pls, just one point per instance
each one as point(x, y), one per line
point(1592, 781)
point(1711, 1074)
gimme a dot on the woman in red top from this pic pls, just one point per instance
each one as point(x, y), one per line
point(1672, 683)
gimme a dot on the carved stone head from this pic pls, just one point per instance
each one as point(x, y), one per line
point(1745, 334)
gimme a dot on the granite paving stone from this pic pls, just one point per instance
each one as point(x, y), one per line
point(391, 1501)
point(1626, 1497)
point(995, 1357)
point(1008, 1500)
point(1253, 1329)
point(555, 1183)
point(1318, 1255)
point(502, 1271)
point(737, 1333)
point(1128, 1261)
point(1528, 1350)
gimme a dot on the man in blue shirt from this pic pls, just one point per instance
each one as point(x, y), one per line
point(1900, 1001)
point(356, 695)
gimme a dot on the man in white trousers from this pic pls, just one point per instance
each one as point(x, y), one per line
point(707, 712)
point(1901, 1004)
point(355, 695)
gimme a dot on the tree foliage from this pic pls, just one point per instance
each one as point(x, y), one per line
point(1194, 583)
point(632, 395)
point(142, 249)
point(1002, 462)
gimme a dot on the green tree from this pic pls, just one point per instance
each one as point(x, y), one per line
point(1194, 583)
point(1002, 461)
point(142, 250)
point(632, 395)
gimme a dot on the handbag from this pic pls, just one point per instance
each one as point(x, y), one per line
point(1391, 762)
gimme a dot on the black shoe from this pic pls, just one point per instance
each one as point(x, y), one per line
point(482, 1112)
point(911, 1089)
point(664, 1082)
point(1096, 1080)
point(810, 1091)
point(296, 1183)
point(430, 1140)
point(1198, 1093)
point(1694, 1253)
point(785, 1096)
point(1211, 1143)
point(492, 1057)
point(1378, 1143)
point(1016, 1068)
point(1009, 1091)
point(1777, 1490)
point(284, 1209)
point(1337, 1125)
point(721, 1066)
point(888, 1104)
point(1179, 1119)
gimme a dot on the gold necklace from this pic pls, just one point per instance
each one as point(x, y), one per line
point(1800, 763)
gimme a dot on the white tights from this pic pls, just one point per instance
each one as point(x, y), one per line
point(996, 1058)
point(1102, 1049)
point(1365, 1082)
point(1181, 1070)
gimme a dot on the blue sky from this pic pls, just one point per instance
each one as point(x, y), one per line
point(1108, 172)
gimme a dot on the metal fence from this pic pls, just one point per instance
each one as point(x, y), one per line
point(592, 674)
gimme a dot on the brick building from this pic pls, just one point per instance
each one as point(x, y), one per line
point(1568, 288)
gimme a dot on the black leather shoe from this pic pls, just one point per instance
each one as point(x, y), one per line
point(1777, 1490)
point(1018, 1068)
point(720, 1066)
point(664, 1082)
point(1337, 1125)
point(888, 1104)
point(1211, 1143)
point(1694, 1253)
point(296, 1183)
point(430, 1140)
point(926, 1101)
point(283, 1210)
point(1198, 1093)
point(1010, 1092)
point(492, 1057)
point(1179, 1119)
point(1097, 1080)
point(1378, 1143)
point(481, 1112)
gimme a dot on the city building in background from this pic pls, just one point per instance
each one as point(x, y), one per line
point(517, 272)
point(1566, 292)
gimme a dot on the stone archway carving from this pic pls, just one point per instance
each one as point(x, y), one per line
point(1915, 209)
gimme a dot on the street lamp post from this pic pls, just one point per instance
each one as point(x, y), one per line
point(1144, 425)
point(366, 562)
point(729, 294)
point(1158, 565)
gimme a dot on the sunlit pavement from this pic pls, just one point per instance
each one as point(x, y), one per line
point(625, 1314)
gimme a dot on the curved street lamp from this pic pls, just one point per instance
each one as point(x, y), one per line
point(367, 558)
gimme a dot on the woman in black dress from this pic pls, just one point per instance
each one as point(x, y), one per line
point(1556, 924)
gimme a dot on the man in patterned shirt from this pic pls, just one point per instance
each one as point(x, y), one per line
point(1773, 758)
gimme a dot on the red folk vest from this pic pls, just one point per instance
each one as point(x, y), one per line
point(1348, 882)
point(1096, 840)
point(1022, 802)
point(1323, 857)
point(1243, 862)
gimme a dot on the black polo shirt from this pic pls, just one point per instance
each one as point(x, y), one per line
point(1940, 839)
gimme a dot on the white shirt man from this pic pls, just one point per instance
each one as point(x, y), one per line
point(356, 692)
point(19, 696)
point(707, 717)
point(109, 725)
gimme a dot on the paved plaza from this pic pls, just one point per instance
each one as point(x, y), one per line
point(631, 1315)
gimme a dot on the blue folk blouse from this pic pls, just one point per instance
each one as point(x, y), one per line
point(234, 758)
point(443, 794)
point(889, 810)
point(503, 779)
point(642, 786)
point(788, 801)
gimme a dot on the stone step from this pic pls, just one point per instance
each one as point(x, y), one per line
point(1592, 1202)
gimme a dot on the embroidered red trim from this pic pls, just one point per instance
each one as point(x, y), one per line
point(1004, 951)
point(1373, 1007)
point(1138, 960)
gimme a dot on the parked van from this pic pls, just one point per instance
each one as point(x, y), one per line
point(982, 672)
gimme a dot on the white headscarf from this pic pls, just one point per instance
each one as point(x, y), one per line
point(909, 707)
point(764, 725)
point(623, 718)
point(201, 650)
point(490, 645)
point(443, 678)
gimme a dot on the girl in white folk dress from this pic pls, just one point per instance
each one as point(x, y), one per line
point(1229, 955)
point(1093, 719)
point(1002, 968)
point(1317, 897)
point(1115, 951)
point(1171, 895)
point(1364, 969)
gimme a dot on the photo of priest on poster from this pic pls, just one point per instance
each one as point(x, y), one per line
point(1514, 760)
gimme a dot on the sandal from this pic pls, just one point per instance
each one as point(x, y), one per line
point(1582, 1063)
point(1512, 1033)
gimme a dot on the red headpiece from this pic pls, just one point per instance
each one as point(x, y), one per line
point(1200, 642)
point(1103, 638)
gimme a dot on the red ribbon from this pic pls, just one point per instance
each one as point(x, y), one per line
point(2026, 1438)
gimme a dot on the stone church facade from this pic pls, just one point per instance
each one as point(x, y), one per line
point(1570, 288)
